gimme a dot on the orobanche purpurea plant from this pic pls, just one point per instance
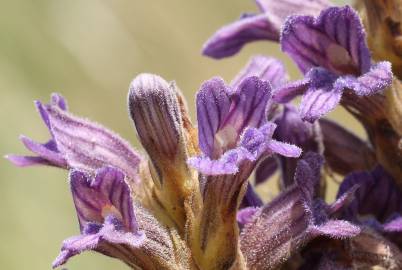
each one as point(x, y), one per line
point(191, 202)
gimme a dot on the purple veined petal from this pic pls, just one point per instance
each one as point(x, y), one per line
point(154, 108)
point(245, 215)
point(284, 8)
point(321, 97)
point(78, 143)
point(378, 195)
point(375, 80)
point(228, 40)
point(289, 91)
point(213, 106)
point(89, 146)
point(47, 151)
point(224, 113)
point(105, 199)
point(248, 108)
point(265, 169)
point(334, 40)
point(265, 68)
point(107, 193)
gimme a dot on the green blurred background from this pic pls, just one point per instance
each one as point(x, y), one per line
point(89, 51)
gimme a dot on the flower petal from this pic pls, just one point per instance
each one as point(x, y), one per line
point(213, 106)
point(335, 40)
point(157, 110)
point(223, 113)
point(78, 143)
point(375, 80)
point(265, 68)
point(289, 91)
point(106, 193)
point(228, 40)
point(377, 196)
point(321, 97)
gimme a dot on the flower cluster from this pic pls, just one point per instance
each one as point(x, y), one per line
point(191, 201)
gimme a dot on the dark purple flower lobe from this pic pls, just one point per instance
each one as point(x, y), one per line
point(223, 113)
point(378, 197)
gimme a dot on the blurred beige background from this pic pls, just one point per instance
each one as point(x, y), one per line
point(89, 51)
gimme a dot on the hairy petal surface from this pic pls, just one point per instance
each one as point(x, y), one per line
point(331, 51)
point(228, 40)
point(375, 80)
point(378, 197)
point(106, 216)
point(335, 40)
point(159, 121)
point(283, 226)
point(80, 144)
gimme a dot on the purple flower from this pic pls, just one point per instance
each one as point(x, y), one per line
point(332, 53)
point(228, 40)
point(77, 143)
point(378, 202)
point(282, 227)
point(233, 136)
point(106, 216)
